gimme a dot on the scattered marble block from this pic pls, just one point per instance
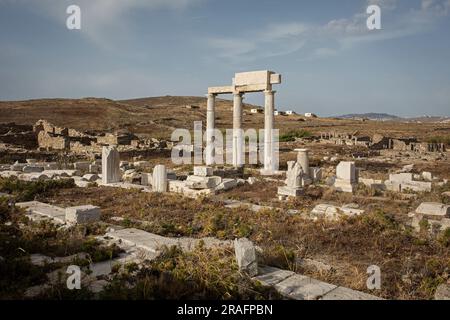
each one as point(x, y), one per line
point(32, 169)
point(55, 213)
point(344, 185)
point(196, 183)
point(227, 184)
point(17, 166)
point(333, 213)
point(36, 176)
point(90, 177)
point(178, 186)
point(417, 186)
point(433, 209)
point(82, 214)
point(427, 176)
point(442, 292)
point(270, 276)
point(203, 171)
point(342, 293)
point(290, 192)
point(246, 256)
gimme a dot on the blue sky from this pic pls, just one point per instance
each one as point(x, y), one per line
point(330, 62)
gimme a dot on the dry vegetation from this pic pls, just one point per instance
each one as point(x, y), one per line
point(412, 266)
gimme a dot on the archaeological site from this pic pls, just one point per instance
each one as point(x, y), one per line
point(228, 170)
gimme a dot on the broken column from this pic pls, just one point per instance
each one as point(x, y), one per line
point(237, 130)
point(269, 108)
point(294, 181)
point(346, 177)
point(159, 178)
point(110, 165)
point(303, 160)
point(210, 126)
point(246, 256)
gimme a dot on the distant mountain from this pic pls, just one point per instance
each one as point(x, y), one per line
point(370, 116)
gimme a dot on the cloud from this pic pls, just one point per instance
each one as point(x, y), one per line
point(274, 40)
point(103, 21)
point(320, 41)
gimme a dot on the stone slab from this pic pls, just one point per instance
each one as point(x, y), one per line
point(342, 293)
point(35, 207)
point(270, 276)
point(290, 192)
point(433, 209)
point(82, 214)
point(301, 287)
point(203, 171)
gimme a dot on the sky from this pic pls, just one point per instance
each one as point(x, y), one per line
point(330, 62)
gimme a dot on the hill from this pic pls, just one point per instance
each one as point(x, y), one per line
point(370, 116)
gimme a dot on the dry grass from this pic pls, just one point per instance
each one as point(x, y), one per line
point(411, 266)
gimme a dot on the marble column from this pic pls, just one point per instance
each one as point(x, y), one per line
point(110, 165)
point(303, 160)
point(269, 108)
point(237, 130)
point(210, 126)
point(159, 178)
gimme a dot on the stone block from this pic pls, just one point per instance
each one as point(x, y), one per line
point(433, 209)
point(401, 177)
point(55, 213)
point(290, 192)
point(32, 168)
point(301, 287)
point(344, 186)
point(82, 214)
point(227, 184)
point(17, 166)
point(270, 276)
point(346, 171)
point(246, 256)
point(90, 177)
point(342, 293)
point(416, 186)
point(442, 292)
point(196, 183)
point(82, 166)
point(203, 171)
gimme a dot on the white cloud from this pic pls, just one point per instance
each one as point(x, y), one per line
point(319, 41)
point(103, 21)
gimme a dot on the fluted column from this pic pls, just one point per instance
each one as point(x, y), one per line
point(237, 130)
point(210, 126)
point(269, 108)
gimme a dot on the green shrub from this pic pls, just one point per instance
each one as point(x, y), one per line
point(27, 191)
point(292, 135)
